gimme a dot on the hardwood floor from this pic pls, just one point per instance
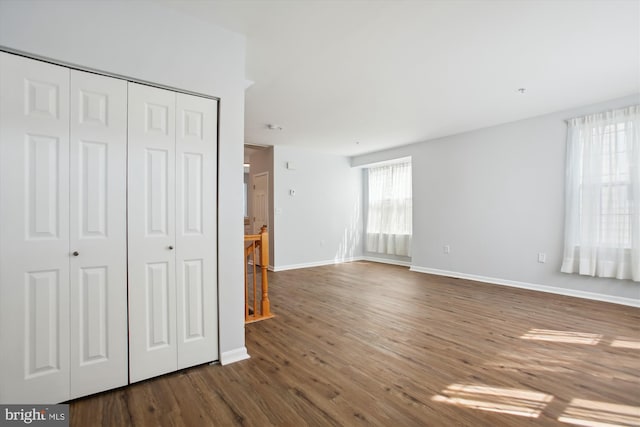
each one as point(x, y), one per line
point(372, 344)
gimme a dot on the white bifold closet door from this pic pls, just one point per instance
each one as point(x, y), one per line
point(62, 232)
point(172, 219)
point(34, 231)
point(98, 231)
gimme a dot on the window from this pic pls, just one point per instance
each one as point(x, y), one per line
point(389, 214)
point(615, 207)
point(602, 224)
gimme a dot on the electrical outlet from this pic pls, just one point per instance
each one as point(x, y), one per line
point(542, 257)
point(446, 249)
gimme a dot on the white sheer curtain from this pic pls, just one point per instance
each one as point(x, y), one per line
point(602, 224)
point(389, 222)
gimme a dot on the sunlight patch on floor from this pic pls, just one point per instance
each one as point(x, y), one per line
point(562, 336)
point(593, 413)
point(626, 342)
point(512, 401)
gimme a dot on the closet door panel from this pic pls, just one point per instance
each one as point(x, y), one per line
point(151, 221)
point(196, 148)
point(98, 297)
point(34, 230)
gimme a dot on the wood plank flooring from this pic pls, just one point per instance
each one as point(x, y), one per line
point(371, 344)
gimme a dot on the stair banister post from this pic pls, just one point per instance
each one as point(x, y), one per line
point(264, 263)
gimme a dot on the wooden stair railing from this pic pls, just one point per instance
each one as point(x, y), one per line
point(256, 244)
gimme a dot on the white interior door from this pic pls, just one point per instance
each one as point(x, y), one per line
point(260, 203)
point(98, 241)
point(196, 260)
point(34, 231)
point(151, 221)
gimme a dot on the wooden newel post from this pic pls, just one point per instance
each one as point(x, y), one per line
point(264, 262)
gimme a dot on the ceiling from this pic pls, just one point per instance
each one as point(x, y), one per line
point(350, 77)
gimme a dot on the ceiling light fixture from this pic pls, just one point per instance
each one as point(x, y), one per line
point(274, 127)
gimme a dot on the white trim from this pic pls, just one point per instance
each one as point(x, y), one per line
point(531, 286)
point(233, 356)
point(340, 261)
point(387, 261)
point(316, 263)
point(73, 66)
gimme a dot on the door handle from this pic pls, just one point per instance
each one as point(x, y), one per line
point(170, 248)
point(76, 253)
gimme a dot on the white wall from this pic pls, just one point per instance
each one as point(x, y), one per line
point(145, 41)
point(496, 196)
point(322, 223)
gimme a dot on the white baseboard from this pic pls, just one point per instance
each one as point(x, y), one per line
point(492, 280)
point(233, 356)
point(316, 263)
point(531, 286)
point(340, 261)
point(387, 261)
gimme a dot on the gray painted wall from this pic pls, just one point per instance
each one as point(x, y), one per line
point(496, 196)
point(143, 40)
point(322, 222)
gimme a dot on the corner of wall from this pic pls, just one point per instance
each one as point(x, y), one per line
point(233, 356)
